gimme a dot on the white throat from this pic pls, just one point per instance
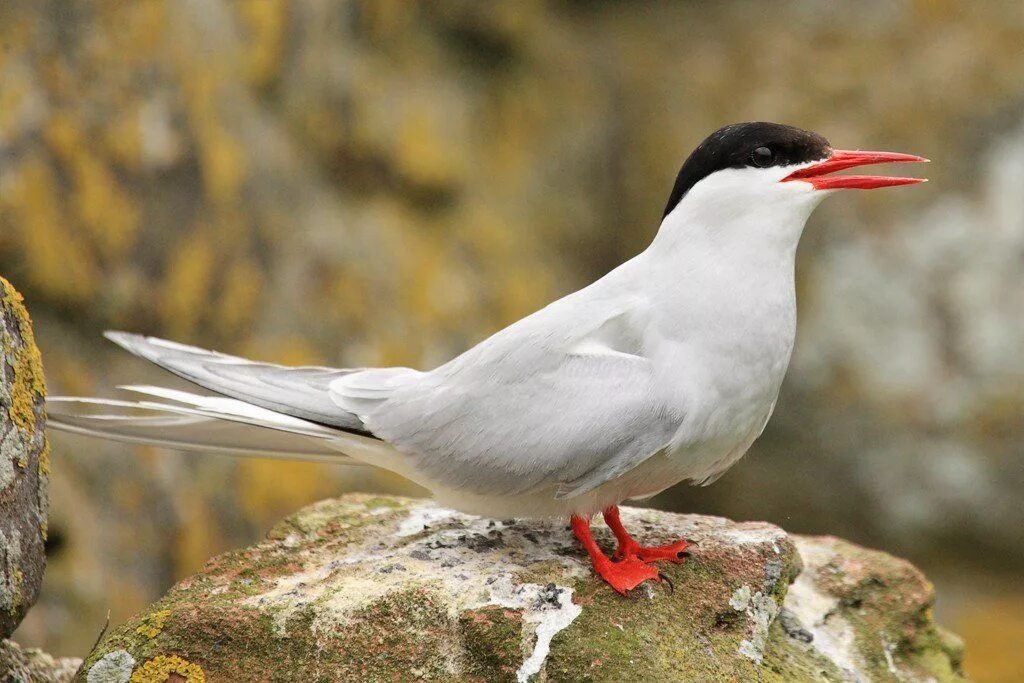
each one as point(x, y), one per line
point(743, 215)
point(721, 272)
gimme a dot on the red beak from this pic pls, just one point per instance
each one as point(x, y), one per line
point(841, 159)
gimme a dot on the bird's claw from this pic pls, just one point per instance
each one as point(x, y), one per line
point(672, 552)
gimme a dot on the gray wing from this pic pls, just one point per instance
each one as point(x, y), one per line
point(520, 413)
point(297, 391)
point(187, 427)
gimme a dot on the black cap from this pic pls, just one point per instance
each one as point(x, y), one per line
point(757, 144)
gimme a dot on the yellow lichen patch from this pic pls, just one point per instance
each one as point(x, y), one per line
point(99, 203)
point(222, 156)
point(189, 281)
point(163, 668)
point(103, 206)
point(422, 151)
point(44, 460)
point(55, 257)
point(239, 296)
point(153, 624)
point(29, 386)
point(266, 26)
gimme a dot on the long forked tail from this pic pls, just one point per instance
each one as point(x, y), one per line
point(262, 409)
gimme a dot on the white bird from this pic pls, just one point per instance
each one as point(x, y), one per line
point(664, 370)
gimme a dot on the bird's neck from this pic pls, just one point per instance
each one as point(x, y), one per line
point(726, 266)
point(746, 231)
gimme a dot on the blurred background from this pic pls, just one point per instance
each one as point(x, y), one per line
point(363, 183)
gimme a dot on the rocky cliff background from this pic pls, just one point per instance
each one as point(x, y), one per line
point(362, 183)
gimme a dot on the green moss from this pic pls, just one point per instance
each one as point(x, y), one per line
point(787, 659)
point(492, 638)
point(385, 640)
point(690, 634)
point(613, 640)
point(888, 602)
point(383, 502)
point(407, 631)
point(336, 519)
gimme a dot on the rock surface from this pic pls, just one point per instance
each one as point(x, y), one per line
point(384, 588)
point(29, 665)
point(24, 463)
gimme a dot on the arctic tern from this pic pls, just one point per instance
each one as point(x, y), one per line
point(664, 370)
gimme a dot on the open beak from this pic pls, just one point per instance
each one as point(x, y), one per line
point(841, 159)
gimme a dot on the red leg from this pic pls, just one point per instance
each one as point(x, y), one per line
point(628, 547)
point(624, 575)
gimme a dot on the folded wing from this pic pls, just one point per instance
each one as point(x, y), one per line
point(301, 392)
point(187, 421)
point(518, 414)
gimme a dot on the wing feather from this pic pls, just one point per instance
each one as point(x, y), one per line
point(532, 407)
point(301, 392)
point(188, 428)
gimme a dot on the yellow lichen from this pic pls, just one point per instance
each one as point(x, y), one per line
point(153, 624)
point(56, 258)
point(17, 578)
point(189, 282)
point(266, 25)
point(44, 460)
point(28, 387)
point(160, 669)
point(239, 296)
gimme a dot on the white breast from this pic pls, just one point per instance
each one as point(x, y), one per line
point(723, 327)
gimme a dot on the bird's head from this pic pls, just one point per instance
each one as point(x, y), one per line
point(768, 176)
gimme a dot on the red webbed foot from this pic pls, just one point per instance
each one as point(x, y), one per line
point(628, 547)
point(623, 575)
point(673, 552)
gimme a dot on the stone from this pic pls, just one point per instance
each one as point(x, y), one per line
point(24, 463)
point(30, 665)
point(376, 588)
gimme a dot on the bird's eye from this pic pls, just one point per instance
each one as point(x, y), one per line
point(762, 157)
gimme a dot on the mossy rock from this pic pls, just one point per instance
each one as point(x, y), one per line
point(391, 589)
point(24, 462)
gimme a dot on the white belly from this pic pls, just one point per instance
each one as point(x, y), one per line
point(697, 462)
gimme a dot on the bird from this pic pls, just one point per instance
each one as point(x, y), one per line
point(664, 370)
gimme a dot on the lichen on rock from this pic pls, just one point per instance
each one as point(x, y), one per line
point(113, 667)
point(30, 665)
point(24, 465)
point(381, 588)
point(153, 623)
point(168, 668)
